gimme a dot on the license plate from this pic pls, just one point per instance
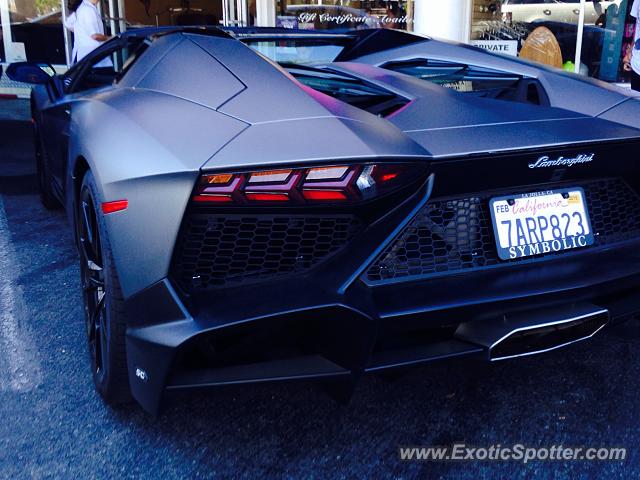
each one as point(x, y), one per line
point(542, 222)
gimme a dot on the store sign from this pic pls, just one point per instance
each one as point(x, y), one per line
point(17, 52)
point(506, 47)
point(286, 21)
point(371, 21)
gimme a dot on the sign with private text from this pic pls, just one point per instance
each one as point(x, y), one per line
point(506, 47)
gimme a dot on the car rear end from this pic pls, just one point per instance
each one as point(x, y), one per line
point(339, 234)
point(334, 269)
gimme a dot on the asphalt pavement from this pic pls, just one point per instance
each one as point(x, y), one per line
point(53, 425)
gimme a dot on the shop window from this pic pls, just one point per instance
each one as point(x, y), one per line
point(173, 12)
point(35, 33)
point(549, 32)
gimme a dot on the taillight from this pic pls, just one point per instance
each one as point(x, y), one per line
point(334, 184)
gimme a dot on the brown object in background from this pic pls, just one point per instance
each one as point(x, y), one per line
point(542, 46)
point(147, 4)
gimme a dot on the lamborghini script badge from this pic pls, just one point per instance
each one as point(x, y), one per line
point(545, 161)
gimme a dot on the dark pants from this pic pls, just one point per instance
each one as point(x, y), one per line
point(635, 81)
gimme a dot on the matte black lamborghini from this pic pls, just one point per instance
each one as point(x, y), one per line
point(241, 221)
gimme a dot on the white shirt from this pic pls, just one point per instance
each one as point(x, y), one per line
point(70, 22)
point(87, 23)
point(635, 57)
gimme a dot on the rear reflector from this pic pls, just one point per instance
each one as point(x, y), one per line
point(115, 206)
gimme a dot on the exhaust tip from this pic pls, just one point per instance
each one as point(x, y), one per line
point(534, 332)
point(543, 338)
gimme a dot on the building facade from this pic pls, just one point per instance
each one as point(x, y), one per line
point(589, 37)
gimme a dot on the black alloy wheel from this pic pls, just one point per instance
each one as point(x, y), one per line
point(93, 284)
point(102, 298)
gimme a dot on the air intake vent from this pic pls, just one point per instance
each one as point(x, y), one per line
point(217, 250)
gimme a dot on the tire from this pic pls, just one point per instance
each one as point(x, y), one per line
point(102, 298)
point(45, 178)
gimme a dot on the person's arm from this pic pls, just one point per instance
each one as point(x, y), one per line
point(100, 37)
point(626, 61)
point(70, 22)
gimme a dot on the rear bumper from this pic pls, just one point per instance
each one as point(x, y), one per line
point(299, 329)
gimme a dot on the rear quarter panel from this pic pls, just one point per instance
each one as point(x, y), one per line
point(138, 152)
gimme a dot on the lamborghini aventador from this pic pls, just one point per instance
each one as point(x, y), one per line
point(240, 220)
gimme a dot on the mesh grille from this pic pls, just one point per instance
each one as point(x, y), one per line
point(454, 235)
point(217, 250)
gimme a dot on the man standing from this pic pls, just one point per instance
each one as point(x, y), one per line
point(88, 29)
point(632, 58)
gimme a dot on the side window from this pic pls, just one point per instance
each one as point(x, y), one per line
point(99, 73)
point(105, 68)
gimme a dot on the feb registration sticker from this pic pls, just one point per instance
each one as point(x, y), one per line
point(541, 222)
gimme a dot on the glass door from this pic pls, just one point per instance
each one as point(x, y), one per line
point(237, 13)
point(31, 30)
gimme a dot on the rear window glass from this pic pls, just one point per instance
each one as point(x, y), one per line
point(298, 51)
point(308, 47)
point(355, 92)
point(473, 80)
point(456, 76)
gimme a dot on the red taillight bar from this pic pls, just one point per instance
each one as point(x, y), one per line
point(315, 185)
point(324, 195)
point(212, 198)
point(268, 197)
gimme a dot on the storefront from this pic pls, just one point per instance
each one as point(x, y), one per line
point(548, 31)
